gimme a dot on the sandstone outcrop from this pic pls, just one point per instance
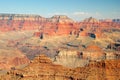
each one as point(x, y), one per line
point(71, 58)
point(60, 19)
point(94, 52)
point(91, 20)
point(41, 68)
point(9, 59)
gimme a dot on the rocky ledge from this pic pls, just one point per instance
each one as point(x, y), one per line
point(41, 68)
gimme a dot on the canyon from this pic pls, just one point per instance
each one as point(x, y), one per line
point(42, 68)
point(58, 48)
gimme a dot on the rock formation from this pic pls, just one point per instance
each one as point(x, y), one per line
point(91, 20)
point(93, 52)
point(60, 19)
point(43, 69)
point(9, 59)
point(56, 25)
point(70, 58)
point(92, 46)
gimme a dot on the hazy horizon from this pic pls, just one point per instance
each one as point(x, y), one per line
point(77, 9)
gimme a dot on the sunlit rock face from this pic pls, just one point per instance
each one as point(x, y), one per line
point(91, 20)
point(111, 55)
point(75, 58)
point(42, 68)
point(94, 52)
point(70, 58)
point(60, 19)
point(56, 25)
point(10, 22)
point(9, 59)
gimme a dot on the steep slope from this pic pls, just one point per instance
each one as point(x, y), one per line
point(13, 22)
point(12, 58)
point(91, 20)
point(60, 19)
point(41, 68)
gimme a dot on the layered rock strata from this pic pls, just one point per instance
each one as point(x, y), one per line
point(41, 68)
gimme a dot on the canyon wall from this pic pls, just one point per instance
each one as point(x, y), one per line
point(56, 25)
point(93, 31)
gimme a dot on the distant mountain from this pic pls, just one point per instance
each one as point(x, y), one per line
point(24, 17)
point(9, 22)
point(91, 20)
point(116, 20)
point(61, 19)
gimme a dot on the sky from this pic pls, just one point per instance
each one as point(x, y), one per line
point(75, 9)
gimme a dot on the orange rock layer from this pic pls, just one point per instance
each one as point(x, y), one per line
point(56, 25)
point(42, 68)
